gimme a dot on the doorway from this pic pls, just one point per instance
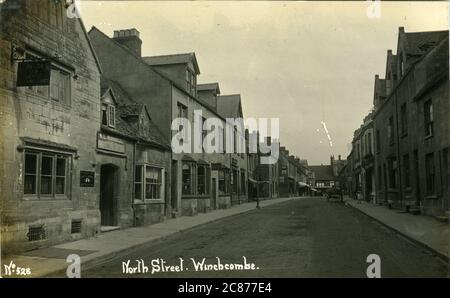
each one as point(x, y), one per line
point(108, 194)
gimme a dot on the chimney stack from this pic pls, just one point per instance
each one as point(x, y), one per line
point(130, 39)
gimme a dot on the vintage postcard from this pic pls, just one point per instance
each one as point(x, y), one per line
point(224, 139)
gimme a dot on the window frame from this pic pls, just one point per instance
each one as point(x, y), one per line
point(226, 182)
point(38, 195)
point(143, 183)
point(428, 118)
point(193, 173)
point(205, 180)
point(45, 92)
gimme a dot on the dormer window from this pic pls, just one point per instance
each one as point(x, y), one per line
point(191, 82)
point(109, 115)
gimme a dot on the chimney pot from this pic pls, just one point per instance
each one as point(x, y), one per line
point(130, 39)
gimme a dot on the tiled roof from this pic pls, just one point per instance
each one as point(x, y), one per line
point(418, 43)
point(126, 107)
point(173, 59)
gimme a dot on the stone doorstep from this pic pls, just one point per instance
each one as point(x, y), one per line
point(105, 229)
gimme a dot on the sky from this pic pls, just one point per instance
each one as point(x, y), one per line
point(310, 64)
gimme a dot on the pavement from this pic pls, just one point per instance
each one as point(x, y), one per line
point(98, 249)
point(424, 230)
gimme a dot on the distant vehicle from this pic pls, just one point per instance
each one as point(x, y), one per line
point(334, 192)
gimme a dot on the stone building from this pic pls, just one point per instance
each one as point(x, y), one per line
point(411, 107)
point(287, 168)
point(363, 161)
point(230, 107)
point(49, 120)
point(268, 173)
point(254, 161)
point(135, 162)
point(199, 181)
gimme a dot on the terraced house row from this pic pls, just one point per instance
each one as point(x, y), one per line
point(86, 124)
point(401, 151)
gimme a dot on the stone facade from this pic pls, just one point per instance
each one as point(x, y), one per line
point(411, 127)
point(47, 136)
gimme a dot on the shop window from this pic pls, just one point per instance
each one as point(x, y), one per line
point(203, 180)
point(188, 178)
point(224, 182)
point(148, 182)
point(46, 175)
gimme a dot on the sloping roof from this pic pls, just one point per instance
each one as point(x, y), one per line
point(229, 106)
point(322, 172)
point(418, 43)
point(96, 33)
point(209, 86)
point(173, 59)
point(126, 107)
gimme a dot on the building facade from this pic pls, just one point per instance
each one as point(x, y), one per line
point(49, 168)
point(199, 181)
point(407, 151)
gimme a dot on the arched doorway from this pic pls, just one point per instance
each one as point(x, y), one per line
point(108, 194)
